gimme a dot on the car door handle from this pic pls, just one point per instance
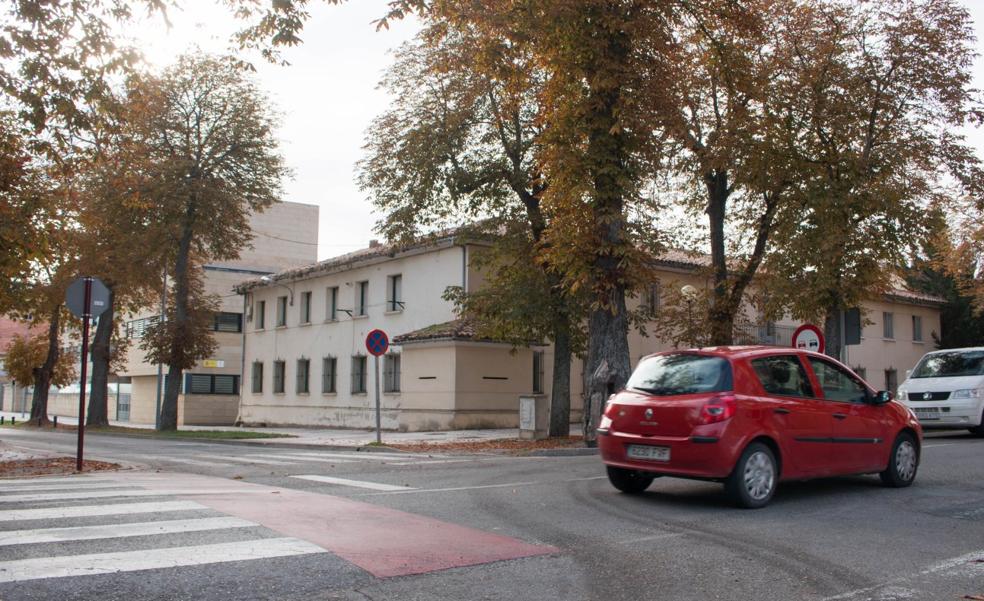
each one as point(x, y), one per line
point(840, 416)
point(781, 411)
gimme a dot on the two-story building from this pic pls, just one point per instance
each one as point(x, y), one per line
point(306, 362)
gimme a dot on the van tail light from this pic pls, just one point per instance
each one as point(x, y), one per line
point(718, 409)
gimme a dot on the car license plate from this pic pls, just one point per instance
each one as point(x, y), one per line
point(650, 453)
point(927, 413)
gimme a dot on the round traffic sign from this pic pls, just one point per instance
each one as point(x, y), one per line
point(377, 342)
point(809, 337)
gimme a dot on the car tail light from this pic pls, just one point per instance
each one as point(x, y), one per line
point(718, 409)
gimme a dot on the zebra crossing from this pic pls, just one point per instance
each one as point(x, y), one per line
point(51, 528)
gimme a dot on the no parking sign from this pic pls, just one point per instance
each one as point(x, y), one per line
point(377, 343)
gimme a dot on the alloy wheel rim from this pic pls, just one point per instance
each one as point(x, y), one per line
point(760, 475)
point(905, 460)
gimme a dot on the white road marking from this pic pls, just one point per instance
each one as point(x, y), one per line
point(103, 494)
point(109, 563)
point(248, 459)
point(295, 458)
point(185, 461)
point(48, 480)
point(354, 483)
point(78, 511)
point(65, 486)
point(52, 535)
point(460, 488)
point(367, 456)
point(46, 513)
point(968, 560)
point(645, 539)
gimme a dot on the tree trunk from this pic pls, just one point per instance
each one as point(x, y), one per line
point(721, 314)
point(99, 351)
point(43, 374)
point(172, 383)
point(831, 334)
point(560, 388)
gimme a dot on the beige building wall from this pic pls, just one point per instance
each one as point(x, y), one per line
point(284, 236)
point(424, 277)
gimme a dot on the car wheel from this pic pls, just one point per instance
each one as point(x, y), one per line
point(902, 463)
point(978, 430)
point(632, 482)
point(753, 481)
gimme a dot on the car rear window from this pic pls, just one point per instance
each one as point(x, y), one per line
point(666, 375)
point(950, 364)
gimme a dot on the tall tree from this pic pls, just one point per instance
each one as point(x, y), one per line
point(891, 89)
point(458, 145)
point(203, 156)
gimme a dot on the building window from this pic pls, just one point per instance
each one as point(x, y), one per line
point(891, 380)
point(888, 325)
point(279, 369)
point(303, 367)
point(281, 311)
point(331, 312)
point(306, 307)
point(138, 327)
point(257, 377)
point(260, 315)
point(361, 298)
point(538, 372)
point(391, 373)
point(227, 322)
point(329, 366)
point(359, 374)
point(917, 328)
point(394, 293)
point(211, 384)
point(651, 300)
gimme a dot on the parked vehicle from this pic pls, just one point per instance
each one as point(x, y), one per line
point(751, 417)
point(946, 389)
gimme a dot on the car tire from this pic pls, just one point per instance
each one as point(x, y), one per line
point(755, 477)
point(903, 462)
point(630, 482)
point(978, 430)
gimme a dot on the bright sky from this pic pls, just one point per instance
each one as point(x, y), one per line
point(328, 97)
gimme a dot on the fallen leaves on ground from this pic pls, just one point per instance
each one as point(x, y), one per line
point(50, 465)
point(502, 445)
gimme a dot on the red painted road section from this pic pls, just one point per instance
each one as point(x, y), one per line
point(384, 542)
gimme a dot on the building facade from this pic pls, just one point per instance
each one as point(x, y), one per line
point(306, 362)
point(284, 235)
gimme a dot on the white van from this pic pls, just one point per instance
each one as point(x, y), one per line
point(946, 389)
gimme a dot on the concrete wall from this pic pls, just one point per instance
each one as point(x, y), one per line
point(489, 381)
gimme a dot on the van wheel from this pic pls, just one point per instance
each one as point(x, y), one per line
point(753, 481)
point(630, 482)
point(902, 463)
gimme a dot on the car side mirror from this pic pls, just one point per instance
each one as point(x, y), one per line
point(882, 397)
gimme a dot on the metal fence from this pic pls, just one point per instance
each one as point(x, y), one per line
point(764, 333)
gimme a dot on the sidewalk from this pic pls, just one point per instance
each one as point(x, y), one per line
point(331, 437)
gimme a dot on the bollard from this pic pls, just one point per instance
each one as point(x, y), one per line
point(1, 419)
point(13, 420)
point(55, 422)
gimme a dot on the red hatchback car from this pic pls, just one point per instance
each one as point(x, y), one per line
point(750, 417)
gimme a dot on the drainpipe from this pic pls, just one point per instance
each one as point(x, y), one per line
point(464, 268)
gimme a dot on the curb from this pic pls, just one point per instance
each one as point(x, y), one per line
point(575, 452)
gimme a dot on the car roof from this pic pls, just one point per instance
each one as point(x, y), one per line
point(966, 349)
point(742, 351)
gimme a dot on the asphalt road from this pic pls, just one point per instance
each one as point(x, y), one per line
point(534, 528)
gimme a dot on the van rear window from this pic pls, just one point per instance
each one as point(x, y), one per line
point(950, 364)
point(683, 373)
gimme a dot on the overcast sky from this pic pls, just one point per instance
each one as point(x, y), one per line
point(328, 97)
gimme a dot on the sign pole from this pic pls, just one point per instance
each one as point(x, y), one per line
point(86, 316)
point(379, 432)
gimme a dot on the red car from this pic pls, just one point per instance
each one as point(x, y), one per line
point(750, 417)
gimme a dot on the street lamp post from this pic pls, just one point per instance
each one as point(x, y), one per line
point(689, 295)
